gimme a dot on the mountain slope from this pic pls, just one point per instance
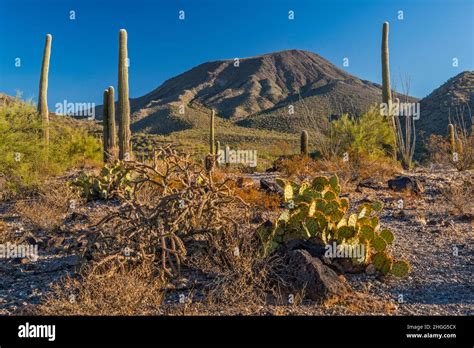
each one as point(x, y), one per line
point(254, 94)
point(455, 97)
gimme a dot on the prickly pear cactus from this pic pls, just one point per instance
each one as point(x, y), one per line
point(315, 211)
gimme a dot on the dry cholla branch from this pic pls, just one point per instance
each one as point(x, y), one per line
point(164, 204)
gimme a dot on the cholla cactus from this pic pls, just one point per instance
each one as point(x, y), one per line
point(43, 89)
point(315, 211)
point(123, 101)
point(304, 143)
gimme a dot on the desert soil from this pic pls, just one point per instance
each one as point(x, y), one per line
point(429, 233)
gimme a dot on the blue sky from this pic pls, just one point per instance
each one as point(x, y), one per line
point(84, 50)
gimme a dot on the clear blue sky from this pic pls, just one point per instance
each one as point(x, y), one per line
point(84, 50)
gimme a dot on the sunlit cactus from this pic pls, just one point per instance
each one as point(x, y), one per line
point(43, 89)
point(304, 143)
point(386, 91)
point(212, 143)
point(123, 101)
point(452, 137)
point(105, 125)
point(112, 135)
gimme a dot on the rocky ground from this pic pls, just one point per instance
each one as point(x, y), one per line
point(429, 232)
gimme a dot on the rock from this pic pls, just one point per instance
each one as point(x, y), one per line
point(318, 280)
point(405, 183)
point(269, 186)
point(369, 183)
point(315, 250)
point(370, 270)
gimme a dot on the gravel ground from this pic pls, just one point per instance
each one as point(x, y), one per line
point(436, 241)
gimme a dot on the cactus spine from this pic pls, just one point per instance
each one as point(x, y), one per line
point(43, 89)
point(123, 101)
point(452, 137)
point(105, 125)
point(304, 143)
point(112, 135)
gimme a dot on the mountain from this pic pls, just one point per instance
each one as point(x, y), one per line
point(257, 93)
point(452, 99)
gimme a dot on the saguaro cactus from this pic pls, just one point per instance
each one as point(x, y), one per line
point(452, 137)
point(123, 101)
point(218, 148)
point(112, 135)
point(212, 143)
point(304, 143)
point(105, 125)
point(43, 89)
point(386, 91)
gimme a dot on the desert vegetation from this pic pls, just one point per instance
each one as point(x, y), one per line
point(338, 216)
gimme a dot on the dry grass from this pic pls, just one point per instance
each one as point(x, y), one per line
point(297, 166)
point(459, 197)
point(127, 292)
point(47, 211)
point(258, 198)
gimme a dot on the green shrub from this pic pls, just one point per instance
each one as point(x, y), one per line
point(314, 211)
point(369, 135)
point(25, 161)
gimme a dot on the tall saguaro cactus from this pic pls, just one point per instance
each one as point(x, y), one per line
point(386, 91)
point(304, 143)
point(43, 89)
point(112, 135)
point(105, 125)
point(123, 101)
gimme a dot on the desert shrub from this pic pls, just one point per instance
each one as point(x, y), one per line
point(441, 152)
point(47, 210)
point(161, 206)
point(242, 276)
point(258, 198)
point(459, 197)
point(316, 211)
point(369, 136)
point(296, 166)
point(126, 292)
point(25, 162)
